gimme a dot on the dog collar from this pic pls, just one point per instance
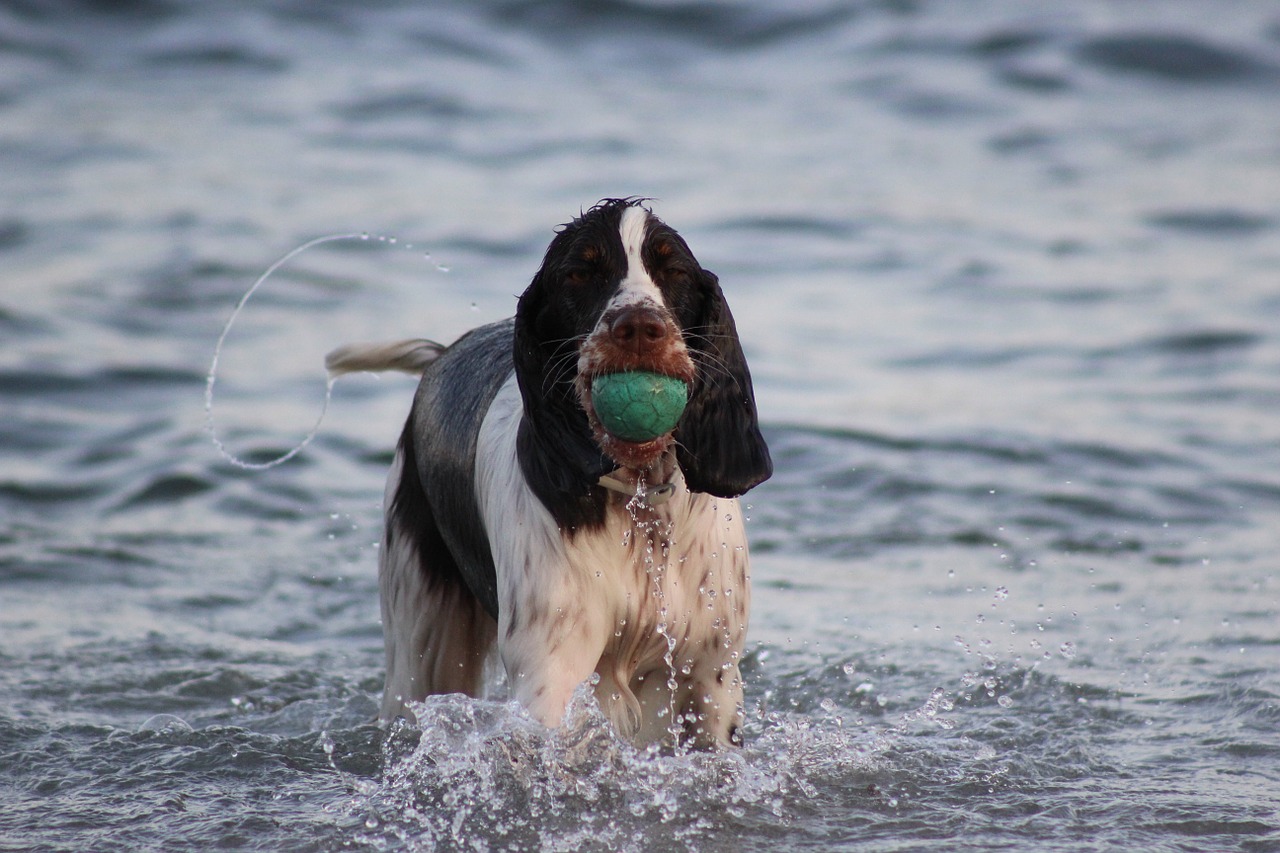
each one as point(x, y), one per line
point(652, 495)
point(626, 481)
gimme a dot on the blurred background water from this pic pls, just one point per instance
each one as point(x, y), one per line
point(1008, 275)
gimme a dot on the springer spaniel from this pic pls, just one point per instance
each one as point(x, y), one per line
point(515, 520)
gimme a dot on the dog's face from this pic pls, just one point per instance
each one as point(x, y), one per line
point(619, 290)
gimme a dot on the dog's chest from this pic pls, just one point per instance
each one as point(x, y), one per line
point(673, 580)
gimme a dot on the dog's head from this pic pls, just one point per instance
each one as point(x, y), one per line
point(619, 290)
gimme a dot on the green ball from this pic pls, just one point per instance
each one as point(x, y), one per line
point(638, 405)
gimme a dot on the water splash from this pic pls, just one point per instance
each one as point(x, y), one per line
point(483, 775)
point(212, 376)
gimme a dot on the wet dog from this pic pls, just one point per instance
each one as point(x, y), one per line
point(517, 523)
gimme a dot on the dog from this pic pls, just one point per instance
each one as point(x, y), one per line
point(516, 522)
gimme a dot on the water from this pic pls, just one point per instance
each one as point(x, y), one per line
point(1008, 282)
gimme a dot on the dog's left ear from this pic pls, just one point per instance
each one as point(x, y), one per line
point(718, 441)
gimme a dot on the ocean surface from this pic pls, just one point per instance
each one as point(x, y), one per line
point(1008, 276)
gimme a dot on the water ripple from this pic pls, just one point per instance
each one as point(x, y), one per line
point(1181, 58)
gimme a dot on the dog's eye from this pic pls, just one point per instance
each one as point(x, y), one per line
point(676, 275)
point(577, 276)
point(668, 264)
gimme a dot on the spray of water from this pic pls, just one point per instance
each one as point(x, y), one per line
point(212, 378)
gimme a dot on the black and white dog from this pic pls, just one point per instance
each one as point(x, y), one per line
point(513, 519)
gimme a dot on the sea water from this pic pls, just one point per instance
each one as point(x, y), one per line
point(1008, 278)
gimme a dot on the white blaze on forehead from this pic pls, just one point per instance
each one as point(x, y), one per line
point(637, 285)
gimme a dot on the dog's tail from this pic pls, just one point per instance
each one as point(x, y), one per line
point(409, 356)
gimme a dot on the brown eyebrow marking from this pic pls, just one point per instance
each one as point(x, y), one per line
point(590, 253)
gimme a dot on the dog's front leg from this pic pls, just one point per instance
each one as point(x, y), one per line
point(547, 654)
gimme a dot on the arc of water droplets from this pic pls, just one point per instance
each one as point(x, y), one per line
point(212, 378)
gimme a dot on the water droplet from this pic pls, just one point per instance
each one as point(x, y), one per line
point(166, 724)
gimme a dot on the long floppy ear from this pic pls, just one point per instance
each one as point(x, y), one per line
point(560, 460)
point(719, 445)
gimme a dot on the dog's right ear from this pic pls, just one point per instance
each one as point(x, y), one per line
point(557, 453)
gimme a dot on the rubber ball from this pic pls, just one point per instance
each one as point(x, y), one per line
point(638, 405)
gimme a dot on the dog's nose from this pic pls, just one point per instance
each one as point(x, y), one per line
point(637, 328)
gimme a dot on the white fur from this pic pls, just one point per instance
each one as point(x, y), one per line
point(400, 582)
point(637, 286)
point(437, 640)
point(409, 356)
point(656, 598)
